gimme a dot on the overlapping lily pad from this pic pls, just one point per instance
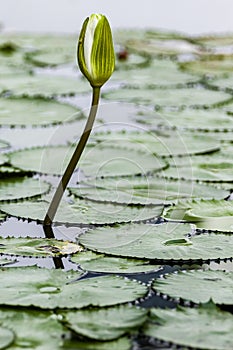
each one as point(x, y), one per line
point(37, 247)
point(16, 188)
point(91, 261)
point(214, 215)
point(170, 97)
point(35, 112)
point(33, 337)
point(106, 323)
point(82, 212)
point(145, 190)
point(211, 65)
point(168, 241)
point(205, 327)
point(198, 286)
point(100, 160)
point(48, 289)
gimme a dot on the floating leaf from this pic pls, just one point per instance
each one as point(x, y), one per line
point(6, 337)
point(14, 188)
point(33, 336)
point(35, 112)
point(100, 263)
point(214, 120)
point(144, 190)
point(158, 73)
point(151, 242)
point(169, 97)
point(3, 158)
point(209, 66)
point(37, 247)
point(198, 286)
point(48, 289)
point(82, 212)
point(165, 144)
point(214, 215)
point(43, 85)
point(205, 327)
point(224, 83)
point(96, 161)
point(105, 324)
point(3, 145)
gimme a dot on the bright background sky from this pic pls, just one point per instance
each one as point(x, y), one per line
point(190, 16)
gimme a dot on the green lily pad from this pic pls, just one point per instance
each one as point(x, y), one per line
point(168, 241)
point(205, 327)
point(6, 337)
point(213, 214)
point(198, 286)
point(144, 190)
point(15, 188)
point(213, 120)
point(164, 73)
point(43, 85)
point(185, 97)
point(37, 247)
point(48, 289)
point(35, 336)
point(3, 158)
point(35, 112)
point(100, 160)
point(91, 261)
point(211, 65)
point(105, 324)
point(167, 144)
point(224, 83)
point(82, 212)
point(3, 145)
point(216, 167)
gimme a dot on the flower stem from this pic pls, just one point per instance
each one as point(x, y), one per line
point(74, 159)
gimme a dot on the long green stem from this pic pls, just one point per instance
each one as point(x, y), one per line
point(74, 160)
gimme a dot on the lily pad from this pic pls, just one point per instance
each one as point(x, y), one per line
point(91, 261)
point(48, 289)
point(6, 337)
point(35, 336)
point(206, 327)
point(43, 85)
point(166, 144)
point(37, 247)
point(198, 286)
point(224, 83)
point(209, 66)
point(82, 212)
point(35, 112)
point(105, 324)
point(15, 188)
point(3, 145)
point(168, 241)
point(213, 120)
point(216, 215)
point(97, 161)
point(3, 158)
point(144, 190)
point(169, 97)
point(164, 73)
point(216, 167)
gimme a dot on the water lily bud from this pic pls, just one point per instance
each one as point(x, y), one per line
point(96, 56)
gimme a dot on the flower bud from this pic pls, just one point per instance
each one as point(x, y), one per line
point(96, 56)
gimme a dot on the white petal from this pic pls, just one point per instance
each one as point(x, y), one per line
point(88, 40)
